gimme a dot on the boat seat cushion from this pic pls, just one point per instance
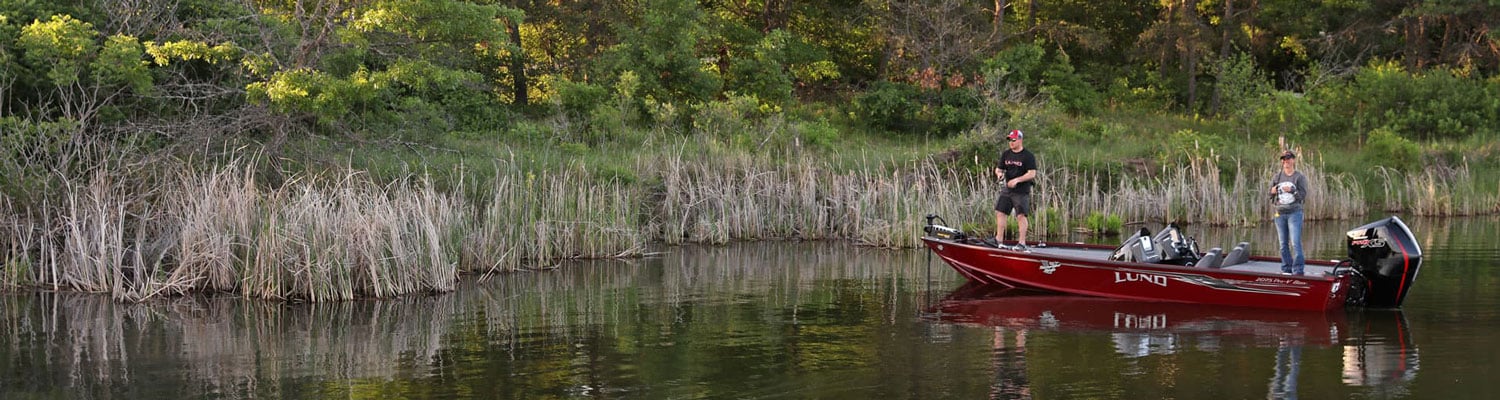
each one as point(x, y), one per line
point(1211, 259)
point(1240, 255)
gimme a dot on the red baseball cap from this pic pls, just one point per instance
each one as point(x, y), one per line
point(1014, 135)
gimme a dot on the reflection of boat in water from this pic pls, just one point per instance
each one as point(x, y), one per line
point(1382, 354)
point(1375, 345)
point(991, 305)
point(1384, 259)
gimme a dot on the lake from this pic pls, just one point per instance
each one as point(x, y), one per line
point(774, 320)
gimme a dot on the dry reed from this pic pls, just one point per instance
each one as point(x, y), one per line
point(1435, 191)
point(317, 239)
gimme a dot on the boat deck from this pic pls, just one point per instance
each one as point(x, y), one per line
point(1267, 267)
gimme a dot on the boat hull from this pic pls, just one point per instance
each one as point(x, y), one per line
point(1043, 270)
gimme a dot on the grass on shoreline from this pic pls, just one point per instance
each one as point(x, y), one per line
point(387, 220)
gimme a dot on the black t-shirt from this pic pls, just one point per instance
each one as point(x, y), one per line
point(1016, 164)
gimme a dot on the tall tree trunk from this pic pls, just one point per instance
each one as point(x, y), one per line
point(1227, 28)
point(1443, 49)
point(774, 15)
point(998, 21)
point(518, 67)
point(1250, 21)
point(1416, 43)
point(1169, 18)
point(1031, 15)
point(1190, 50)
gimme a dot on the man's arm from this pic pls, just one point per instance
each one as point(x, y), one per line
point(1029, 175)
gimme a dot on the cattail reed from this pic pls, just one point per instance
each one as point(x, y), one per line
point(326, 238)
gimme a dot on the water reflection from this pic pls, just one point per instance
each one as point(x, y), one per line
point(613, 329)
point(762, 320)
point(1373, 347)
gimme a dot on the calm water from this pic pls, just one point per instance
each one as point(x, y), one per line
point(773, 320)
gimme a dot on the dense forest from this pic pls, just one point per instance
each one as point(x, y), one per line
point(165, 70)
point(343, 148)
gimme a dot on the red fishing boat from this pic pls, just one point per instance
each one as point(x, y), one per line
point(1383, 261)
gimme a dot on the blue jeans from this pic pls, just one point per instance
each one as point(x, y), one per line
point(1289, 239)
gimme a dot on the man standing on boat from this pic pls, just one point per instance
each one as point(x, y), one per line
point(1288, 190)
point(1016, 170)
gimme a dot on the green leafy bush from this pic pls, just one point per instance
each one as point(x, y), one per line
point(1100, 223)
point(1435, 104)
point(579, 98)
point(1387, 148)
point(727, 117)
point(957, 111)
point(1069, 89)
point(817, 134)
point(905, 109)
point(1187, 144)
point(1285, 113)
point(891, 106)
point(1021, 64)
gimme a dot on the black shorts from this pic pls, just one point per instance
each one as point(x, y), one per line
point(1021, 202)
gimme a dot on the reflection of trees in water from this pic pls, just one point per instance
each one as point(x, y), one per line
point(234, 346)
point(221, 342)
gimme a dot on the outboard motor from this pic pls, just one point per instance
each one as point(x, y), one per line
point(1140, 247)
point(1176, 249)
point(1385, 253)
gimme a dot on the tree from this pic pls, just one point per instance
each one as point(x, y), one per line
point(944, 36)
point(86, 76)
point(323, 60)
point(660, 46)
point(1178, 34)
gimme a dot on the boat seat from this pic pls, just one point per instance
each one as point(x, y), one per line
point(1240, 255)
point(1211, 259)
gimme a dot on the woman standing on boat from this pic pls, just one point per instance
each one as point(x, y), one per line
point(1016, 169)
point(1288, 190)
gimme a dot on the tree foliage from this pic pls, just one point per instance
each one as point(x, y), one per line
point(1423, 69)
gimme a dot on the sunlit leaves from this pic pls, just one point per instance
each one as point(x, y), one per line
point(308, 91)
point(69, 51)
point(163, 54)
point(445, 32)
point(661, 49)
point(62, 44)
point(120, 63)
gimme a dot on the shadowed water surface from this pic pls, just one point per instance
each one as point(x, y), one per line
point(774, 320)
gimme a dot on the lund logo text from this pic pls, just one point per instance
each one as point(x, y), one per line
point(1158, 280)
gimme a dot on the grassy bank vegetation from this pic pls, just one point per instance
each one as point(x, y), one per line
point(225, 147)
point(341, 233)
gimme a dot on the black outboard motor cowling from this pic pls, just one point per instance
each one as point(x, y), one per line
point(1387, 254)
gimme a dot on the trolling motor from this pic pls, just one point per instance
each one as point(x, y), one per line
point(1387, 256)
point(942, 231)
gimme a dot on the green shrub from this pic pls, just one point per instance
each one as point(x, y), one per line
point(1021, 64)
point(1241, 86)
point(1387, 148)
point(905, 109)
point(722, 118)
point(1126, 93)
point(1100, 223)
point(579, 99)
point(817, 134)
point(1432, 105)
point(1285, 113)
point(890, 106)
point(1187, 144)
point(1069, 89)
point(605, 122)
point(957, 111)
